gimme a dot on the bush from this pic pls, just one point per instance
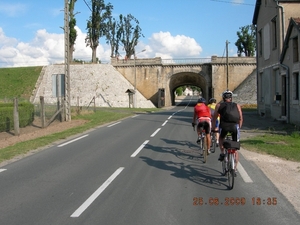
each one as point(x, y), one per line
point(26, 115)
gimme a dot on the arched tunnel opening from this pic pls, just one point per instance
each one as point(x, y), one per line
point(189, 79)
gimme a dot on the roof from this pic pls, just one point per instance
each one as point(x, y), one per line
point(294, 23)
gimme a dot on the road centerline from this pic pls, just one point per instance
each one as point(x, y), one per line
point(139, 149)
point(92, 198)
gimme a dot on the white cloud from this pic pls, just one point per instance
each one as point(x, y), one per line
point(48, 48)
point(167, 46)
point(237, 1)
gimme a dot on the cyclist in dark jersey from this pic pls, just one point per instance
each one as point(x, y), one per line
point(226, 126)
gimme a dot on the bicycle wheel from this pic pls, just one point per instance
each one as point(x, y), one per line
point(224, 167)
point(230, 173)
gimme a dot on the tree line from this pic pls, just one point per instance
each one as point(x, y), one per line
point(123, 32)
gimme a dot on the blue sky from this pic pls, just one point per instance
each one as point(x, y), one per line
point(31, 33)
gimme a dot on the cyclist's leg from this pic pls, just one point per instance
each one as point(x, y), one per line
point(199, 130)
point(235, 137)
point(217, 134)
point(222, 136)
point(207, 129)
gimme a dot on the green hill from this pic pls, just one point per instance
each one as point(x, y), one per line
point(18, 82)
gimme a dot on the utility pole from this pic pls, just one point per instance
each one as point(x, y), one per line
point(227, 63)
point(67, 63)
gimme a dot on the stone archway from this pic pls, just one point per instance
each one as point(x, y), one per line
point(199, 79)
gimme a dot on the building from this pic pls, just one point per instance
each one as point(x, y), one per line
point(276, 43)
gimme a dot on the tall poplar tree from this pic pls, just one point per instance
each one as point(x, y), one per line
point(96, 25)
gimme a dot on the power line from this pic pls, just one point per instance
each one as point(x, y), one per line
point(87, 5)
point(233, 2)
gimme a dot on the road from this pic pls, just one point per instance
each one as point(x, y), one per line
point(145, 169)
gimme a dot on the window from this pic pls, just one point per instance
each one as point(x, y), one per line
point(295, 84)
point(259, 43)
point(295, 50)
point(58, 85)
point(274, 33)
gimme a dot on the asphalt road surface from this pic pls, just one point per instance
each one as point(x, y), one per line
point(142, 170)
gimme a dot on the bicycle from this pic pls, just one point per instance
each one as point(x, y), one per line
point(228, 164)
point(202, 143)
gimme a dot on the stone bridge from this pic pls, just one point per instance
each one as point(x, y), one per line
point(213, 75)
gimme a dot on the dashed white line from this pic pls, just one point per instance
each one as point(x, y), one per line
point(165, 123)
point(139, 149)
point(76, 139)
point(92, 198)
point(152, 135)
point(1, 170)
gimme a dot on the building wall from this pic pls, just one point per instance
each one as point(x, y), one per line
point(272, 79)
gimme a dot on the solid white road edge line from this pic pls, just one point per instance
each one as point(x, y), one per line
point(76, 139)
point(139, 149)
point(152, 135)
point(113, 124)
point(244, 174)
point(90, 200)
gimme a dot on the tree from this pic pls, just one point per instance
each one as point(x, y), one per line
point(112, 36)
point(246, 42)
point(96, 25)
point(73, 32)
point(129, 32)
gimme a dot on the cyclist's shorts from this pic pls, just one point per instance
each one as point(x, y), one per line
point(229, 128)
point(205, 123)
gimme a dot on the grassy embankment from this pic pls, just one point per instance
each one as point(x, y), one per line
point(19, 82)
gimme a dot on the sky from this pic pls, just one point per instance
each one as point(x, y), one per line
point(31, 31)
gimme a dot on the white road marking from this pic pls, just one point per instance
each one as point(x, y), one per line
point(139, 149)
point(1, 170)
point(76, 139)
point(164, 123)
point(244, 174)
point(113, 124)
point(152, 135)
point(169, 117)
point(92, 198)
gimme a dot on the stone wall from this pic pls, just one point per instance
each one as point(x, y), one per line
point(101, 81)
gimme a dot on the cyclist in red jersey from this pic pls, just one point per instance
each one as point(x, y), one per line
point(202, 117)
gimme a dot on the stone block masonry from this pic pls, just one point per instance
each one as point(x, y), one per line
point(101, 81)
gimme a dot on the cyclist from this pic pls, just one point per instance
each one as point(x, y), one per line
point(212, 105)
point(228, 125)
point(202, 118)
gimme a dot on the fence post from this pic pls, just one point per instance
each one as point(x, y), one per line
point(16, 118)
point(42, 111)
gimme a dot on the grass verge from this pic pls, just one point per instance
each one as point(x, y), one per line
point(93, 119)
point(286, 146)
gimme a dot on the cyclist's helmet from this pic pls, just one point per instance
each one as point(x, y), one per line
point(227, 94)
point(212, 100)
point(201, 100)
